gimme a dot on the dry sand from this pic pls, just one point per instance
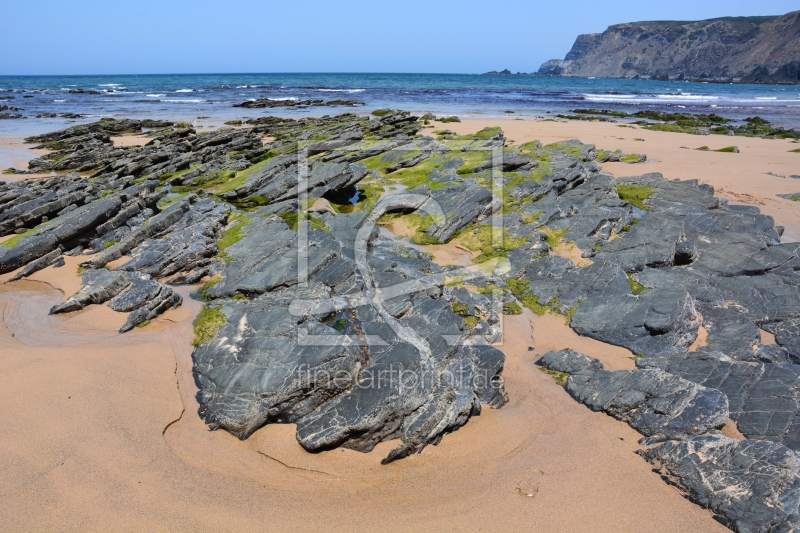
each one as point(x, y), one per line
point(100, 431)
point(130, 140)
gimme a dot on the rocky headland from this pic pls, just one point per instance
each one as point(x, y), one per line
point(315, 315)
point(727, 49)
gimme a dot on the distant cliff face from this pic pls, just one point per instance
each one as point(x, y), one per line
point(747, 49)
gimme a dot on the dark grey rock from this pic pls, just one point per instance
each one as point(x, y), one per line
point(366, 376)
point(60, 231)
point(461, 204)
point(763, 397)
point(787, 334)
point(141, 290)
point(98, 286)
point(163, 300)
point(38, 264)
point(751, 485)
point(267, 258)
point(653, 402)
point(191, 240)
point(157, 225)
point(651, 322)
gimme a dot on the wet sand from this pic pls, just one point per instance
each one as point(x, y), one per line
point(15, 153)
point(101, 432)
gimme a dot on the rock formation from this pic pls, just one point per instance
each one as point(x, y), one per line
point(313, 316)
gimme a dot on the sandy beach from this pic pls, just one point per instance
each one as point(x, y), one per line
point(101, 431)
point(102, 434)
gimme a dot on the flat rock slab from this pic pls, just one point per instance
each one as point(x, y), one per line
point(753, 486)
point(98, 286)
point(764, 398)
point(653, 402)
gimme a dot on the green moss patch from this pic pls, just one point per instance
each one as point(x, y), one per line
point(573, 150)
point(293, 220)
point(490, 242)
point(207, 324)
point(628, 227)
point(569, 313)
point(530, 146)
point(559, 377)
point(554, 236)
point(532, 302)
point(13, 241)
point(636, 287)
point(235, 231)
point(460, 308)
point(630, 158)
point(635, 194)
point(673, 128)
point(519, 288)
point(202, 293)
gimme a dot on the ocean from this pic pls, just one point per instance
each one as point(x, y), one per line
point(211, 96)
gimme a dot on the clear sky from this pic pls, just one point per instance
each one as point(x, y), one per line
point(203, 36)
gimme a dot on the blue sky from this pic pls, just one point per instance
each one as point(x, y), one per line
point(147, 36)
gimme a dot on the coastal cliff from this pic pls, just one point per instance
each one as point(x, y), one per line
point(737, 49)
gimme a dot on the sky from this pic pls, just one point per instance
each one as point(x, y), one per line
point(203, 36)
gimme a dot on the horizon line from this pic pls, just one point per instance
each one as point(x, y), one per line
point(243, 74)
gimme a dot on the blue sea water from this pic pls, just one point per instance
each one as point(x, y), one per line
point(189, 96)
